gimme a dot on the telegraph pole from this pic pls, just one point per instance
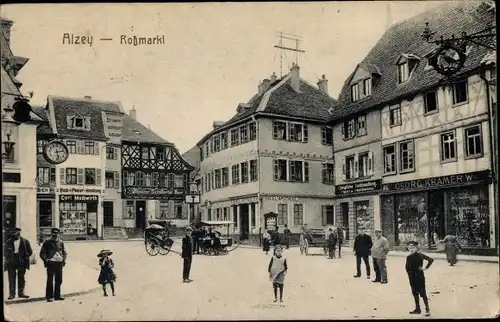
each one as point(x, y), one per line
point(284, 48)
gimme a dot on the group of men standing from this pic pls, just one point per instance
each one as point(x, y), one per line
point(19, 256)
point(335, 237)
point(378, 249)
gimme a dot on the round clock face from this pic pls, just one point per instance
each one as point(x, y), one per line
point(56, 152)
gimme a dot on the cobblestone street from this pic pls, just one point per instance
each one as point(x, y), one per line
point(236, 287)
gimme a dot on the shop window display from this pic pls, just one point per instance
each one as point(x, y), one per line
point(411, 218)
point(364, 220)
point(73, 218)
point(468, 217)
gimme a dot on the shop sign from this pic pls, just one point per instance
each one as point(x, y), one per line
point(245, 200)
point(82, 190)
point(358, 188)
point(78, 198)
point(280, 198)
point(153, 193)
point(45, 190)
point(11, 177)
point(438, 182)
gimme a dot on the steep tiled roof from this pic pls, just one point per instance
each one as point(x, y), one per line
point(310, 103)
point(61, 107)
point(136, 132)
point(44, 127)
point(7, 84)
point(5, 49)
point(405, 38)
point(192, 156)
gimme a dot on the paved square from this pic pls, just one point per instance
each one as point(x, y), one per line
point(236, 286)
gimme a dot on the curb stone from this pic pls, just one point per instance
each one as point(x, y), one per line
point(40, 299)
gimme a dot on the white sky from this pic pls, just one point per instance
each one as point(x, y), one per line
point(214, 56)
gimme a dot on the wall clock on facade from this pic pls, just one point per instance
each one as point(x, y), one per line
point(55, 152)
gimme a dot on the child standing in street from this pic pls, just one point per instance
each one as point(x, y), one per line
point(277, 270)
point(415, 270)
point(107, 275)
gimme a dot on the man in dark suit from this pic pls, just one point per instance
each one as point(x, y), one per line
point(187, 255)
point(362, 246)
point(17, 253)
point(54, 256)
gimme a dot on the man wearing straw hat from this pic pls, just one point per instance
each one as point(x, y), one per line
point(187, 255)
point(54, 256)
point(17, 253)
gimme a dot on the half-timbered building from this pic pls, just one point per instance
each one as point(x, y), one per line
point(155, 178)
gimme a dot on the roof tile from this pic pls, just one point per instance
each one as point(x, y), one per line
point(136, 132)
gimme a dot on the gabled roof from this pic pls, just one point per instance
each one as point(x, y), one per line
point(134, 131)
point(62, 107)
point(281, 99)
point(44, 127)
point(405, 38)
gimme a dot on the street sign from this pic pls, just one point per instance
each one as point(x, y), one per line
point(192, 199)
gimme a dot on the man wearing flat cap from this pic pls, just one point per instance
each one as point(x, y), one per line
point(54, 256)
point(380, 249)
point(187, 255)
point(17, 253)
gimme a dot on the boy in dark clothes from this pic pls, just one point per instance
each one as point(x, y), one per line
point(415, 270)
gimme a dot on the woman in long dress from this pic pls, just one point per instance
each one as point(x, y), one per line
point(266, 241)
point(451, 247)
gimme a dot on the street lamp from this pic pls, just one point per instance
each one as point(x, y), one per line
point(9, 124)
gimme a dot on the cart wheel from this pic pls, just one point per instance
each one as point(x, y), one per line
point(152, 247)
point(164, 250)
point(306, 246)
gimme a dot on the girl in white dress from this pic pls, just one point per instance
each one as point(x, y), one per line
point(277, 270)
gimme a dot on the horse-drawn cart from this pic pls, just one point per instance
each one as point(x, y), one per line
point(312, 238)
point(157, 237)
point(215, 243)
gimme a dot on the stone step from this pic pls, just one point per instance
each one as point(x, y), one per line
point(114, 233)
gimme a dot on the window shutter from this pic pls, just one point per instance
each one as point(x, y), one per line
point(79, 147)
point(305, 134)
point(306, 171)
point(96, 148)
point(117, 180)
point(125, 177)
point(276, 170)
point(324, 220)
point(98, 177)
point(323, 173)
point(80, 176)
point(370, 163)
point(356, 164)
point(69, 121)
point(291, 131)
point(343, 170)
point(115, 153)
point(62, 175)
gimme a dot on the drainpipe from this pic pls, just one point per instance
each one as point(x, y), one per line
point(257, 134)
point(492, 138)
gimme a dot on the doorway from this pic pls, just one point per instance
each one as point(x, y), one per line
point(140, 214)
point(344, 209)
point(244, 222)
point(9, 212)
point(108, 213)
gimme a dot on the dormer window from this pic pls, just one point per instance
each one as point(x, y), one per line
point(77, 122)
point(355, 92)
point(367, 87)
point(406, 65)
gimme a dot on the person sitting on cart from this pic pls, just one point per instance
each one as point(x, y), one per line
point(215, 236)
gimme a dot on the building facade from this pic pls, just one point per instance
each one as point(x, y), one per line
point(18, 144)
point(280, 131)
point(155, 178)
point(433, 148)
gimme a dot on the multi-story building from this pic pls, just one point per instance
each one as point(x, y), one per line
point(18, 144)
point(435, 154)
point(193, 157)
point(79, 184)
point(273, 156)
point(155, 178)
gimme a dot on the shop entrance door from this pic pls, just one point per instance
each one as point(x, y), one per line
point(244, 226)
point(140, 214)
point(9, 213)
point(108, 213)
point(344, 210)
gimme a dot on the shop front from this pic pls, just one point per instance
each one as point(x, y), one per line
point(355, 207)
point(78, 216)
point(426, 210)
point(45, 200)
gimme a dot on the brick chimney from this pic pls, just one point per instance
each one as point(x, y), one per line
point(295, 80)
point(88, 98)
point(133, 113)
point(273, 77)
point(6, 27)
point(323, 84)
